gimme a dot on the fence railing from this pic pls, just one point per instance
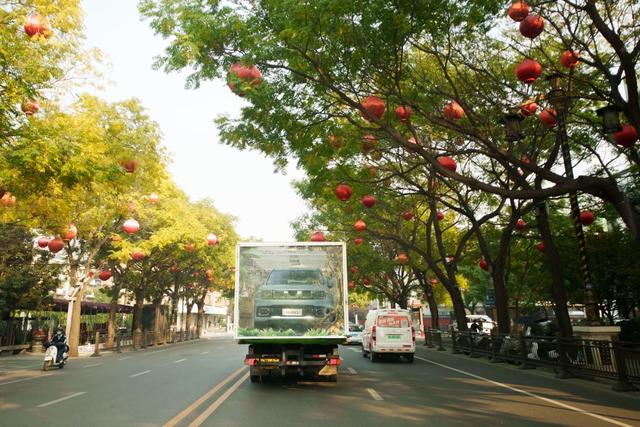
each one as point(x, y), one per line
point(615, 360)
point(137, 340)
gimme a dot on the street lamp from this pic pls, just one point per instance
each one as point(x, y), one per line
point(610, 119)
point(513, 125)
point(558, 97)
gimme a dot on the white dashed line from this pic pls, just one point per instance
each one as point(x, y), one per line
point(93, 364)
point(374, 394)
point(53, 402)
point(179, 360)
point(125, 358)
point(205, 352)
point(351, 370)
point(527, 393)
point(355, 350)
point(139, 373)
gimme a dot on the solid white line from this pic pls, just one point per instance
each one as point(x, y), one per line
point(179, 360)
point(125, 358)
point(353, 371)
point(374, 394)
point(528, 393)
point(61, 399)
point(93, 364)
point(139, 373)
point(207, 413)
point(27, 379)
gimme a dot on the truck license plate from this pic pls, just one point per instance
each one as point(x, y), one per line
point(292, 312)
point(269, 360)
point(393, 337)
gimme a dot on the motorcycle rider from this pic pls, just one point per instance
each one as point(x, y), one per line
point(60, 341)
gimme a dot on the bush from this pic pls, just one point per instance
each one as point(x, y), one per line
point(630, 330)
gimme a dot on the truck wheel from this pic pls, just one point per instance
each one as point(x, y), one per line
point(364, 352)
point(410, 358)
point(255, 378)
point(373, 356)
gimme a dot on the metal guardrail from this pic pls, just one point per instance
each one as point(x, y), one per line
point(574, 357)
point(137, 340)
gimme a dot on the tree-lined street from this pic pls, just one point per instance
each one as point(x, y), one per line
point(181, 382)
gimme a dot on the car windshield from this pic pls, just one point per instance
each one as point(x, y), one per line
point(355, 328)
point(393, 321)
point(288, 277)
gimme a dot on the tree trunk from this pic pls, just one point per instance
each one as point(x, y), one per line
point(433, 309)
point(557, 273)
point(137, 323)
point(74, 330)
point(200, 320)
point(174, 307)
point(156, 322)
point(187, 325)
point(111, 323)
point(458, 308)
point(502, 308)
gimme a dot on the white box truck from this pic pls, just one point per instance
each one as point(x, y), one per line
point(291, 307)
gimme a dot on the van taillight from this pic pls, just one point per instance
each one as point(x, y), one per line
point(373, 332)
point(413, 334)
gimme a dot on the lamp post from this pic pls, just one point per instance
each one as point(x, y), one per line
point(560, 101)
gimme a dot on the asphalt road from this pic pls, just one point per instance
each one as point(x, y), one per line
point(204, 383)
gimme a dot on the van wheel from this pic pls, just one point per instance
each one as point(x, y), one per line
point(365, 353)
point(373, 356)
point(410, 358)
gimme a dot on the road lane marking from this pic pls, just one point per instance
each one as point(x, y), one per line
point(139, 373)
point(179, 360)
point(93, 364)
point(353, 371)
point(27, 379)
point(125, 358)
point(53, 402)
point(528, 393)
point(205, 352)
point(219, 401)
point(355, 350)
point(189, 409)
point(374, 394)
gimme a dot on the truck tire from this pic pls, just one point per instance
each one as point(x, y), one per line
point(255, 378)
point(410, 358)
point(365, 353)
point(373, 356)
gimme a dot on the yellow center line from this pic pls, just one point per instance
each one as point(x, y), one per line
point(189, 409)
point(207, 413)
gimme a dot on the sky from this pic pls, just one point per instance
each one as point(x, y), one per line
point(241, 183)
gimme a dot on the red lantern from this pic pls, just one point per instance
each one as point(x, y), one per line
point(402, 258)
point(104, 275)
point(570, 58)
point(587, 217)
point(354, 269)
point(37, 25)
point(448, 163)
point(434, 282)
point(8, 200)
point(365, 282)
point(239, 73)
point(540, 246)
point(521, 224)
point(352, 284)
point(131, 226)
point(209, 274)
point(189, 247)
point(532, 26)
point(453, 111)
point(173, 269)
point(404, 112)
point(43, 242)
point(374, 106)
point(343, 192)
point(548, 117)
point(407, 215)
point(30, 107)
point(153, 198)
point(358, 241)
point(528, 108)
point(129, 166)
point(368, 200)
point(360, 225)
point(484, 264)
point(627, 136)
point(56, 245)
point(317, 236)
point(440, 216)
point(369, 142)
point(137, 255)
point(518, 11)
point(212, 239)
point(528, 70)
point(70, 233)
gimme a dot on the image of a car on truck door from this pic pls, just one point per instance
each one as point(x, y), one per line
point(294, 298)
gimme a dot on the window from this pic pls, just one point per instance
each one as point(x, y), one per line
point(393, 321)
point(289, 277)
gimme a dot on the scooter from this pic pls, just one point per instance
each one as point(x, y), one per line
point(51, 357)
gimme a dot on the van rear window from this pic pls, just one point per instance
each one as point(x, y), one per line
point(393, 322)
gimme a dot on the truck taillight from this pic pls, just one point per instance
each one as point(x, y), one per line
point(334, 361)
point(413, 334)
point(250, 361)
point(373, 332)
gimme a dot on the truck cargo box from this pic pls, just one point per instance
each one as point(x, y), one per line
point(291, 293)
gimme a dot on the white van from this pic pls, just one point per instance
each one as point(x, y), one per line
point(389, 332)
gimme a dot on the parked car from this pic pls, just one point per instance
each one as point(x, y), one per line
point(389, 332)
point(354, 336)
point(484, 323)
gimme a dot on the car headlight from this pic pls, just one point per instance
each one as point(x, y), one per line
point(264, 311)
